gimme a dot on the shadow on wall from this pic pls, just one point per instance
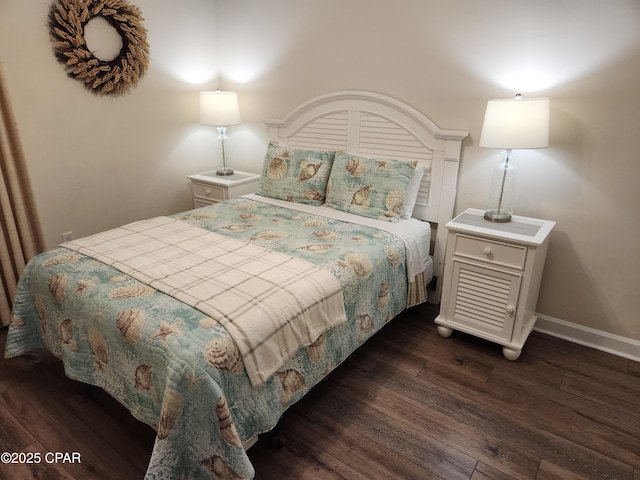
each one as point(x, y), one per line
point(551, 181)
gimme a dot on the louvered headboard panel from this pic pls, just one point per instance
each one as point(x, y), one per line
point(325, 133)
point(378, 126)
point(383, 138)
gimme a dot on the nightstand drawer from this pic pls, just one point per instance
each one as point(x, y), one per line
point(209, 187)
point(211, 192)
point(496, 253)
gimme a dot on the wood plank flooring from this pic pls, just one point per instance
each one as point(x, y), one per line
point(407, 405)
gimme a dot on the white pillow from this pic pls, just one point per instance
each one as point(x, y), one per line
point(412, 192)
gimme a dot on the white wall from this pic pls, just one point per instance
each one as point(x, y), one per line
point(447, 58)
point(97, 162)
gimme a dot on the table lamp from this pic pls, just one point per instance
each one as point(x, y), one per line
point(519, 123)
point(221, 110)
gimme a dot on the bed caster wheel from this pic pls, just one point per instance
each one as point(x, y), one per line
point(278, 441)
point(444, 331)
point(511, 353)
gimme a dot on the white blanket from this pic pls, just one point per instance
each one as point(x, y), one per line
point(271, 304)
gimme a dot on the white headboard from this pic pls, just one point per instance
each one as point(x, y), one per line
point(378, 126)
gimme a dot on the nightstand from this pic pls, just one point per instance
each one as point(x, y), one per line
point(208, 188)
point(491, 278)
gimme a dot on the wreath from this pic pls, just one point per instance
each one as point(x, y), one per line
point(67, 20)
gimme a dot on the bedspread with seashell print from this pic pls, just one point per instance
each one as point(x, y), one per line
point(178, 370)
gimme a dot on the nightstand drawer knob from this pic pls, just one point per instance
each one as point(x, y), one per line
point(487, 251)
point(207, 192)
point(510, 310)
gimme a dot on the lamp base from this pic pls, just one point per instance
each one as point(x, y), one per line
point(497, 216)
point(223, 172)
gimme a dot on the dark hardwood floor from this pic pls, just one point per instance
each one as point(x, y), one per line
point(407, 405)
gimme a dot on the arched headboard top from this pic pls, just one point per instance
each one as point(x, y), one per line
point(363, 101)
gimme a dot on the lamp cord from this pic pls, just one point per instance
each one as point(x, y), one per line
point(504, 177)
point(224, 163)
point(222, 133)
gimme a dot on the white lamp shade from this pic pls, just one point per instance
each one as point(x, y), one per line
point(516, 123)
point(219, 108)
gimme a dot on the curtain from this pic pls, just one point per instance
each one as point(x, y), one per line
point(21, 237)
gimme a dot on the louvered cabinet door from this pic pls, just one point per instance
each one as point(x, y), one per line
point(484, 299)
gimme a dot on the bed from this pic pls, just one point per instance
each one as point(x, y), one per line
point(209, 324)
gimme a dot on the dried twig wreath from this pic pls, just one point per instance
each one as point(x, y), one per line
point(67, 20)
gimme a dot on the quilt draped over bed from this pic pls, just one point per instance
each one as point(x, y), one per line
point(272, 304)
point(178, 369)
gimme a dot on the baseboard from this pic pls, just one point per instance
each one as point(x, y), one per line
point(590, 337)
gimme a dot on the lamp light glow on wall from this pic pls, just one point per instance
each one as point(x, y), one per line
point(220, 109)
point(519, 123)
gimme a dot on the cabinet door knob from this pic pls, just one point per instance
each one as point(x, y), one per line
point(510, 310)
point(487, 251)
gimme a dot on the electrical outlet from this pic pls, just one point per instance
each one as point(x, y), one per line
point(67, 236)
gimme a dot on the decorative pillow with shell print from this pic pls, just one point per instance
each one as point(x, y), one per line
point(295, 174)
point(369, 187)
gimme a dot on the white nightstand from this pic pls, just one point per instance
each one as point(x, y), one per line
point(208, 188)
point(491, 278)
